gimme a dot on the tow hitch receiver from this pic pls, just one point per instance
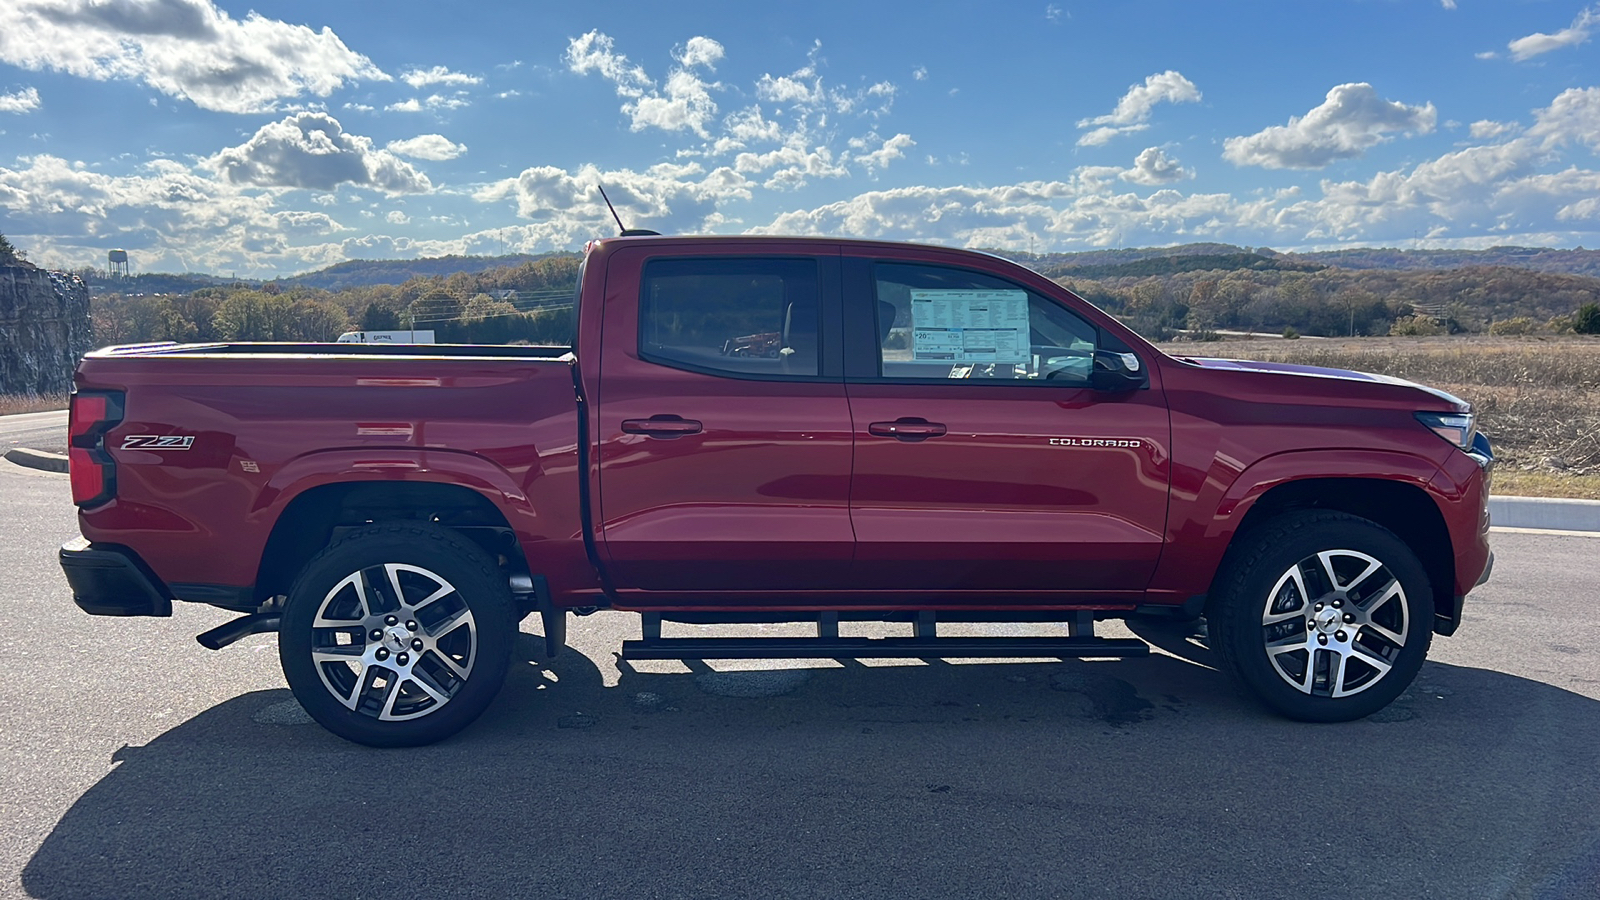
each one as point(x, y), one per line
point(244, 626)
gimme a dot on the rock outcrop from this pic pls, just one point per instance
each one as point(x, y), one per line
point(44, 329)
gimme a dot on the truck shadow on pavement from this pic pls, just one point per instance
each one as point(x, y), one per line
point(1136, 778)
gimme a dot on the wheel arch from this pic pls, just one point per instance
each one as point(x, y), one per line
point(311, 518)
point(1402, 507)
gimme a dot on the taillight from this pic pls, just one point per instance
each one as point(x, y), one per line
point(94, 472)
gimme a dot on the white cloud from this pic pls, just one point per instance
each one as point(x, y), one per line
point(1448, 4)
point(595, 52)
point(1484, 129)
point(421, 78)
point(1572, 117)
point(1154, 166)
point(890, 150)
point(433, 103)
point(920, 73)
point(684, 105)
point(1133, 110)
point(428, 146)
point(566, 207)
point(792, 166)
point(700, 51)
point(396, 217)
point(188, 49)
point(1351, 119)
point(1538, 43)
point(25, 100)
point(1053, 13)
point(312, 150)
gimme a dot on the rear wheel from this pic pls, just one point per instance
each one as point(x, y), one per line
point(1324, 616)
point(398, 635)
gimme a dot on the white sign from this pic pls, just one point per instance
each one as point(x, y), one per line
point(969, 327)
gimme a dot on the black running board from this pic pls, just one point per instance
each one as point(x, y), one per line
point(882, 648)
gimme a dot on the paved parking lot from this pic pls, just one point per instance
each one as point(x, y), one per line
point(138, 764)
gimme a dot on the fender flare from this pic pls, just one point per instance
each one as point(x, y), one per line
point(1194, 555)
point(455, 467)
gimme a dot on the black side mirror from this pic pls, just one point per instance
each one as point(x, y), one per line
point(1115, 372)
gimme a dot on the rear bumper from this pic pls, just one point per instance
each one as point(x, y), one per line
point(111, 580)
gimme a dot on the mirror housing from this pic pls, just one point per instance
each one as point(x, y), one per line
point(1114, 372)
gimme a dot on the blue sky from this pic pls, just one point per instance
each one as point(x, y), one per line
point(210, 135)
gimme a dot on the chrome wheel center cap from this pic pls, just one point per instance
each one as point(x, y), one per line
point(1327, 620)
point(395, 638)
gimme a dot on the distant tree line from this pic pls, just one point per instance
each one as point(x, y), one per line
point(1196, 293)
point(1334, 302)
point(490, 307)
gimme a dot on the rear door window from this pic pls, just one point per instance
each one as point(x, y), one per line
point(744, 316)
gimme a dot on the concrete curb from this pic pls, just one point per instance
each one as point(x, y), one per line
point(1508, 512)
point(1545, 512)
point(37, 459)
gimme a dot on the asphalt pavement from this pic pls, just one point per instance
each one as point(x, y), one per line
point(137, 764)
point(45, 431)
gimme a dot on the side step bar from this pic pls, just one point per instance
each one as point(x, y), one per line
point(925, 645)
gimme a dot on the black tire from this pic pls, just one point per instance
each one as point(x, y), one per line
point(1322, 616)
point(397, 635)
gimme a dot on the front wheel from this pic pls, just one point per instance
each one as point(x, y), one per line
point(398, 635)
point(1324, 616)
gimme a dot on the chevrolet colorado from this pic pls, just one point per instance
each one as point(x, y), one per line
point(776, 430)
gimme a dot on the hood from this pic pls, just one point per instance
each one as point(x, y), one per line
point(1320, 372)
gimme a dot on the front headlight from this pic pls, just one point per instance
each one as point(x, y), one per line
point(1457, 428)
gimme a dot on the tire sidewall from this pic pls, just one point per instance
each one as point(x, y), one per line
point(1276, 550)
point(454, 558)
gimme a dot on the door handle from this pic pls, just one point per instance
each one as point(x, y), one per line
point(662, 426)
point(908, 428)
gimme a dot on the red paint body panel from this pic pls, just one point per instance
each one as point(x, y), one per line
point(784, 497)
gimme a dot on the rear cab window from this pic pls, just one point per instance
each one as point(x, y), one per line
point(744, 316)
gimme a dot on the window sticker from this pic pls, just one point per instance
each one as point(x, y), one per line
point(969, 327)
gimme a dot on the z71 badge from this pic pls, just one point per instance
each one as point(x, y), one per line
point(158, 442)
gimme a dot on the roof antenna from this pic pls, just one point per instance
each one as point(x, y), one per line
point(623, 229)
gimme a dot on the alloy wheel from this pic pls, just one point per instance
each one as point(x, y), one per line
point(394, 641)
point(1335, 623)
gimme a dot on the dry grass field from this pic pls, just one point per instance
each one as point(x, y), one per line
point(1538, 398)
point(12, 404)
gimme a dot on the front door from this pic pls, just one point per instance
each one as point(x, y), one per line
point(725, 437)
point(984, 461)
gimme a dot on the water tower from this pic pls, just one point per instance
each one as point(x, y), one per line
point(118, 260)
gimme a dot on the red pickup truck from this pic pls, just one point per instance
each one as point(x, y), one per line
point(929, 436)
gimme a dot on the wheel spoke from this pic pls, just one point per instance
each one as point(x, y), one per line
point(1336, 676)
point(1373, 566)
point(1378, 599)
point(393, 689)
point(421, 680)
point(350, 654)
point(451, 664)
point(1283, 645)
point(322, 620)
point(1372, 659)
point(1398, 640)
point(1294, 576)
point(1310, 677)
point(450, 623)
point(444, 589)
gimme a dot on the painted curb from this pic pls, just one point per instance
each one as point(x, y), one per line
point(1545, 512)
point(37, 459)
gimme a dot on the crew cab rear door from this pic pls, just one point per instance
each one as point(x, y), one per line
point(725, 439)
point(984, 460)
